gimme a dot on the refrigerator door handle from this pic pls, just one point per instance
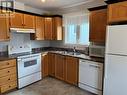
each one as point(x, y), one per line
point(105, 70)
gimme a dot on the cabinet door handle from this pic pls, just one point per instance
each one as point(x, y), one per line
point(7, 63)
point(8, 37)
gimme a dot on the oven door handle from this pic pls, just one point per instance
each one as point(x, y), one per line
point(28, 57)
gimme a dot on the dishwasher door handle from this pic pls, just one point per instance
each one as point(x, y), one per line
point(95, 66)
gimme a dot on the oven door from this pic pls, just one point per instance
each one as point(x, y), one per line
point(28, 66)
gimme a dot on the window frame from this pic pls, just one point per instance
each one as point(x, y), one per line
point(77, 40)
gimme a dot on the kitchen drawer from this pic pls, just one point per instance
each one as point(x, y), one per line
point(8, 63)
point(8, 79)
point(7, 71)
point(8, 86)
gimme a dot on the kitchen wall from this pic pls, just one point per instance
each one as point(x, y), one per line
point(61, 44)
point(79, 7)
point(27, 8)
point(21, 42)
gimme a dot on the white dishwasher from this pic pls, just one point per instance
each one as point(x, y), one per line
point(91, 76)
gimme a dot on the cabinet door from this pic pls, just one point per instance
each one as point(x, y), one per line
point(48, 29)
point(60, 67)
point(4, 28)
point(117, 12)
point(71, 70)
point(57, 28)
point(98, 22)
point(16, 21)
point(29, 21)
point(45, 65)
point(39, 35)
point(51, 64)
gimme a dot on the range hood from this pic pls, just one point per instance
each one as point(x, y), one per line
point(22, 30)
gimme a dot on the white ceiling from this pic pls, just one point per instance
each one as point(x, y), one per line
point(55, 4)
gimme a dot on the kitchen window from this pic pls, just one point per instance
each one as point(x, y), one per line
point(76, 29)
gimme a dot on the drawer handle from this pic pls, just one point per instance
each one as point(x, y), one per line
point(8, 71)
point(9, 79)
point(9, 86)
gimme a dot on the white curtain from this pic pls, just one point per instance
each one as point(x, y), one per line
point(75, 18)
point(76, 28)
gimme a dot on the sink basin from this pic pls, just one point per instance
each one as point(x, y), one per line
point(74, 53)
point(77, 53)
point(68, 53)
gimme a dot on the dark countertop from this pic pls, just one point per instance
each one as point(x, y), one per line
point(81, 56)
point(6, 57)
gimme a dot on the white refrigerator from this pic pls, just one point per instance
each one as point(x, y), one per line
point(115, 75)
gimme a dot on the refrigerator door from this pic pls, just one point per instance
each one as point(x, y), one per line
point(116, 40)
point(115, 79)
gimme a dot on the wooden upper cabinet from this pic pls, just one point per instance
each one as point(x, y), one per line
point(60, 67)
point(20, 20)
point(4, 27)
point(117, 12)
point(29, 21)
point(98, 22)
point(45, 65)
point(51, 68)
point(57, 28)
point(71, 70)
point(48, 28)
point(39, 33)
point(16, 21)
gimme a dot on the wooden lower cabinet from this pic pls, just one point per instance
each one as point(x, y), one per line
point(6, 64)
point(7, 71)
point(9, 86)
point(7, 79)
point(45, 65)
point(51, 67)
point(71, 70)
point(8, 75)
point(60, 67)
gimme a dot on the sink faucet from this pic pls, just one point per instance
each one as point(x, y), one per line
point(74, 49)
